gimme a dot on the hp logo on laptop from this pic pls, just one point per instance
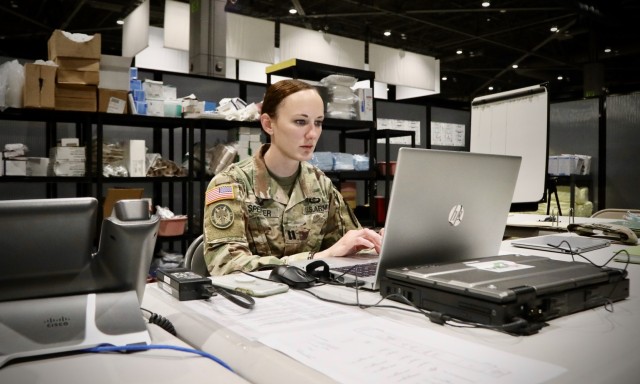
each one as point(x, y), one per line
point(456, 214)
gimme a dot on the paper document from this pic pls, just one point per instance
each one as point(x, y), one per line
point(353, 346)
point(376, 350)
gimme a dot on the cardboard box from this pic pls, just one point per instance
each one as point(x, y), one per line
point(365, 104)
point(153, 89)
point(155, 107)
point(68, 154)
point(114, 72)
point(15, 167)
point(39, 86)
point(69, 168)
point(74, 97)
point(62, 44)
point(172, 108)
point(348, 190)
point(135, 158)
point(78, 64)
point(70, 76)
point(76, 91)
point(112, 100)
point(82, 105)
point(37, 166)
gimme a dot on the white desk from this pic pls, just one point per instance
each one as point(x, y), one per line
point(594, 346)
point(153, 367)
point(528, 225)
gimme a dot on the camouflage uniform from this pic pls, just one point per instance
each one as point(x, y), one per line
point(250, 221)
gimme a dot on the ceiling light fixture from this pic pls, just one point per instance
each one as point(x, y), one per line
point(444, 78)
point(607, 50)
point(514, 66)
point(486, 4)
point(554, 29)
point(387, 33)
point(120, 22)
point(459, 52)
point(293, 11)
point(490, 88)
point(560, 77)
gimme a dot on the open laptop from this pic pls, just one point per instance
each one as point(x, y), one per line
point(444, 206)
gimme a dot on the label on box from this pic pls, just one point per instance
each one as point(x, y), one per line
point(116, 105)
point(68, 168)
point(153, 89)
point(69, 142)
point(68, 154)
point(135, 157)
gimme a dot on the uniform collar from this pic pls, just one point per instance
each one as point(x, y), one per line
point(266, 188)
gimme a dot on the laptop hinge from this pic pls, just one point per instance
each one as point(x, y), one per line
point(524, 293)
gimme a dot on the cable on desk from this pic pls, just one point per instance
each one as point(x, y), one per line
point(139, 347)
point(160, 321)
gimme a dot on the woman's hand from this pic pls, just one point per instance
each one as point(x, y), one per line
point(353, 241)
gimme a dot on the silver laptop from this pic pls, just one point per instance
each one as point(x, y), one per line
point(562, 243)
point(444, 206)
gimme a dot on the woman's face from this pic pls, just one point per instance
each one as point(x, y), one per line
point(297, 126)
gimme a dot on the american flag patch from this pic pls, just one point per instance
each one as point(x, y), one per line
point(223, 192)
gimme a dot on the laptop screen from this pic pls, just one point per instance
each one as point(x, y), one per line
point(447, 206)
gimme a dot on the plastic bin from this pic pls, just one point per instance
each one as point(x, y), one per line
point(174, 226)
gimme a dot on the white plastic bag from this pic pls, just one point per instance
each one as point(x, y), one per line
point(11, 84)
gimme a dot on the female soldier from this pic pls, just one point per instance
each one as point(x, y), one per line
point(275, 207)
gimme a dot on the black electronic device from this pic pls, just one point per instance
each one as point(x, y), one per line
point(292, 276)
point(183, 283)
point(514, 293)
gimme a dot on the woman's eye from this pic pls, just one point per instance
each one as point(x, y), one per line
point(318, 123)
point(301, 122)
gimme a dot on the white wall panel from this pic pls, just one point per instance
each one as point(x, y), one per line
point(398, 67)
point(176, 25)
point(249, 38)
point(135, 31)
point(156, 56)
point(320, 47)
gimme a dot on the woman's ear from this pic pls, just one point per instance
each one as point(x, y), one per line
point(266, 122)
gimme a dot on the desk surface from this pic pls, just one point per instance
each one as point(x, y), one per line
point(594, 346)
point(528, 225)
point(153, 367)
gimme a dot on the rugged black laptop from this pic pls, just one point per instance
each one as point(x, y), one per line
point(513, 293)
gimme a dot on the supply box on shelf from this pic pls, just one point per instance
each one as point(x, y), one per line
point(39, 86)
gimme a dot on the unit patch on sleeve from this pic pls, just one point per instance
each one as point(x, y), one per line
point(217, 193)
point(222, 216)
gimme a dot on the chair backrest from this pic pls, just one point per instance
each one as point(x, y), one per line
point(194, 257)
point(614, 213)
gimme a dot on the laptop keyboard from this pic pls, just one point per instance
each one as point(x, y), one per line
point(360, 270)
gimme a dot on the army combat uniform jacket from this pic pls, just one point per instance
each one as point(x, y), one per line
point(250, 221)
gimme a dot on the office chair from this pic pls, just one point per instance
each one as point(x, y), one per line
point(194, 257)
point(614, 213)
